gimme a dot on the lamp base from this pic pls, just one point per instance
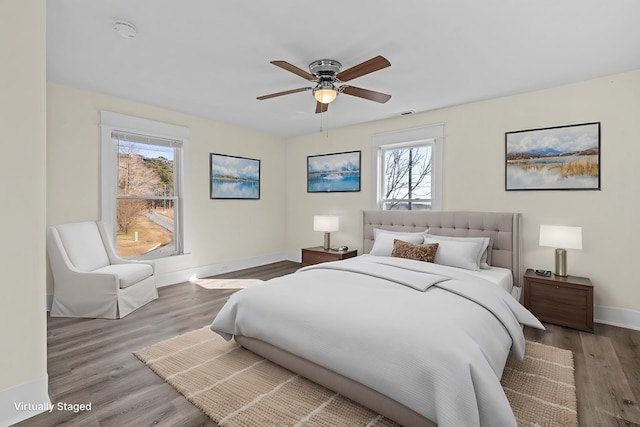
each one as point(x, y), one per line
point(327, 240)
point(561, 263)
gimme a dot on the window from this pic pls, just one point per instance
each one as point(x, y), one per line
point(407, 177)
point(143, 204)
point(409, 168)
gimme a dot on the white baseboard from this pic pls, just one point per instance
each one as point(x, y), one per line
point(174, 277)
point(24, 401)
point(615, 316)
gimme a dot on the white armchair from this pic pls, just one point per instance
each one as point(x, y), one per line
point(90, 280)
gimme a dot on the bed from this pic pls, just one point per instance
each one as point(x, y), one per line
point(422, 343)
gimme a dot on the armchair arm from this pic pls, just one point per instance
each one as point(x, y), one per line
point(87, 286)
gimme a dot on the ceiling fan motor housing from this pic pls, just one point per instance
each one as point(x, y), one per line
point(325, 68)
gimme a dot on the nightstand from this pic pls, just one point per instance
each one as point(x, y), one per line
point(565, 301)
point(317, 254)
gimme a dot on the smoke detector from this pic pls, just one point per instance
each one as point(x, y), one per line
point(125, 29)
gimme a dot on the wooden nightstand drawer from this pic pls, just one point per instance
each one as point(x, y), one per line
point(317, 255)
point(565, 301)
point(551, 295)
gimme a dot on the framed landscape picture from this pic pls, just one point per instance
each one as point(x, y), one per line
point(337, 172)
point(554, 158)
point(233, 177)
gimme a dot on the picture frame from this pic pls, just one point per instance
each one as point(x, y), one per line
point(334, 173)
point(233, 177)
point(553, 158)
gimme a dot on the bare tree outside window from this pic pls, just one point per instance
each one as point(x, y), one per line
point(135, 177)
point(128, 213)
point(407, 179)
point(145, 202)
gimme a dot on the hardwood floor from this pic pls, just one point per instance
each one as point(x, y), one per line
point(607, 369)
point(91, 361)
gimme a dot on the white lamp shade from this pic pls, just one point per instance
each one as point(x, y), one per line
point(561, 236)
point(326, 223)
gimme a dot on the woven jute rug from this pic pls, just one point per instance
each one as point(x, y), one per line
point(236, 387)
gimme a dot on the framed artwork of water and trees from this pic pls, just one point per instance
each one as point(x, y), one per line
point(337, 172)
point(233, 177)
point(553, 158)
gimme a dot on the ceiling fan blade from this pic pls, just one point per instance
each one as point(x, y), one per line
point(321, 108)
point(295, 70)
point(366, 94)
point(286, 92)
point(366, 67)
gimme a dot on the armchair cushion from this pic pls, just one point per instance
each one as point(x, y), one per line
point(128, 274)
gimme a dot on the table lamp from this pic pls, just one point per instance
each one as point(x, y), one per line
point(561, 237)
point(326, 223)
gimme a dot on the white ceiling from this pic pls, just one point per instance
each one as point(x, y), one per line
point(210, 58)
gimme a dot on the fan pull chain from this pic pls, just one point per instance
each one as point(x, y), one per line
point(326, 113)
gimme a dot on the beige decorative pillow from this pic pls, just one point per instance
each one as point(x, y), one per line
point(426, 252)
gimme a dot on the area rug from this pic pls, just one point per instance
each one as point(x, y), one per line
point(226, 283)
point(236, 387)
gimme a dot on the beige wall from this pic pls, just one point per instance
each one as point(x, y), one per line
point(281, 222)
point(223, 233)
point(474, 178)
point(22, 253)
point(51, 175)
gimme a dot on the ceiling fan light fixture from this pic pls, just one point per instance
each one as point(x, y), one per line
point(325, 92)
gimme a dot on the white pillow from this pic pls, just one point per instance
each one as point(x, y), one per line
point(483, 262)
point(383, 240)
point(456, 253)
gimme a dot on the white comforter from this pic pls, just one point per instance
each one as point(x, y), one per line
point(431, 337)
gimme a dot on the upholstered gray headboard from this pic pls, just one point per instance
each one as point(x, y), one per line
point(503, 228)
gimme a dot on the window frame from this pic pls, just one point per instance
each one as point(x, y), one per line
point(120, 123)
point(432, 135)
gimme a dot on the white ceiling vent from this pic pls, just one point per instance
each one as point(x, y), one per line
point(125, 29)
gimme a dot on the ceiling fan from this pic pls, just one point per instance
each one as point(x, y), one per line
point(326, 73)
